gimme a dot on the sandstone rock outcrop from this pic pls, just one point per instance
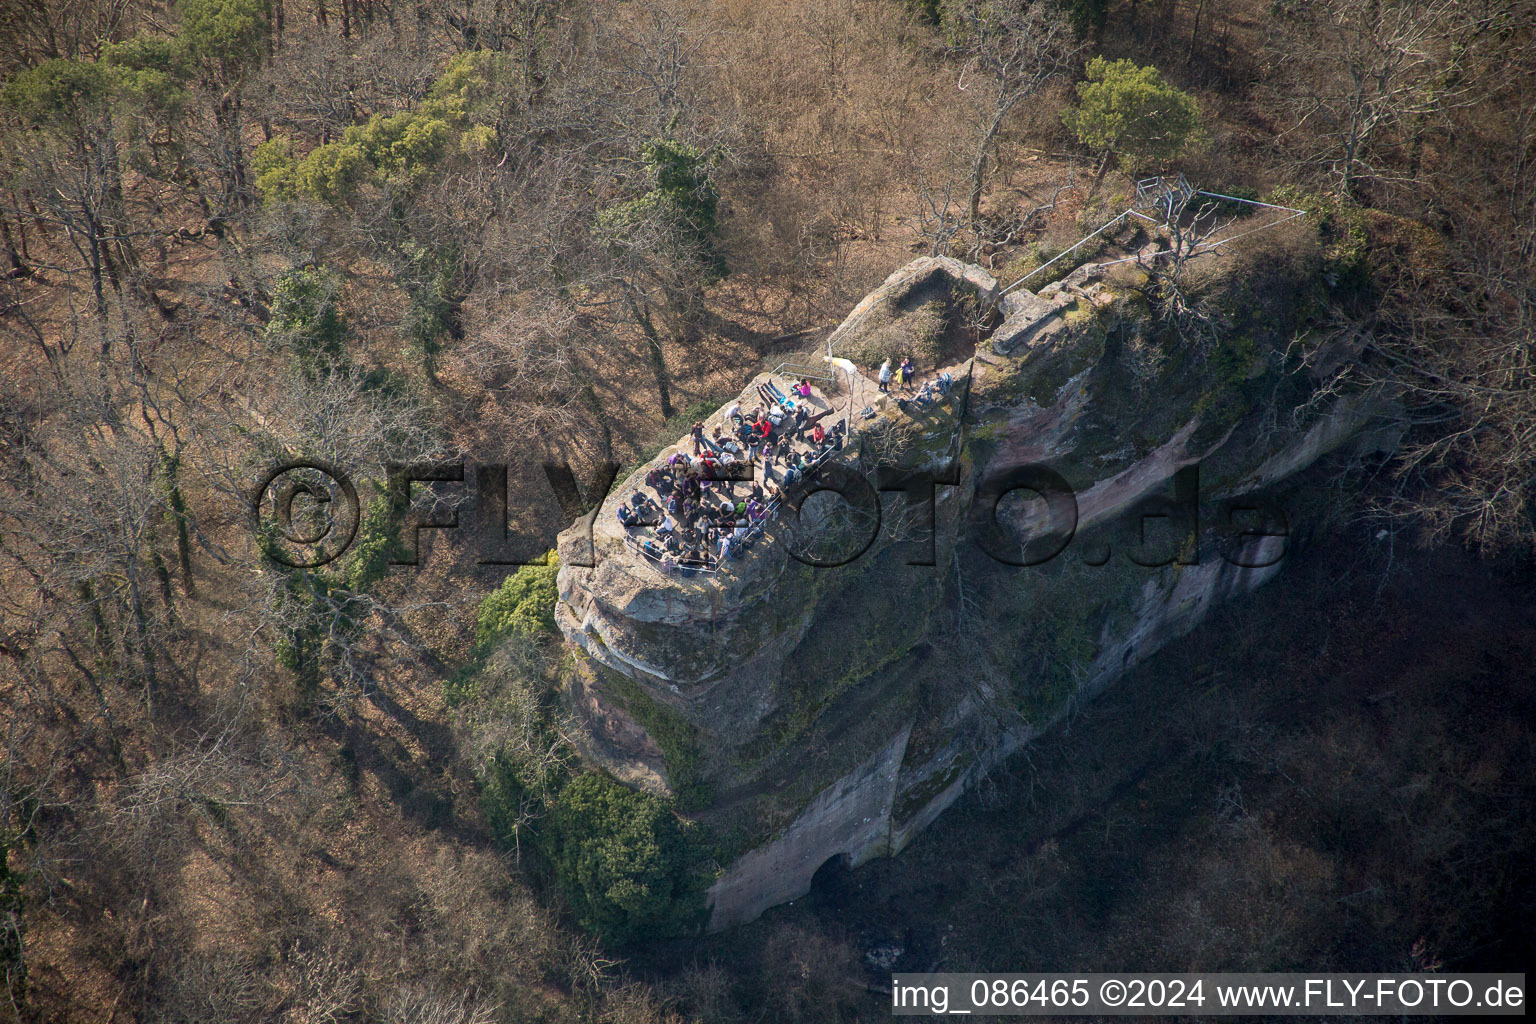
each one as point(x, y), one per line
point(808, 713)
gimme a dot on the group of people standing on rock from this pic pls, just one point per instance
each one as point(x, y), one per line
point(903, 375)
point(695, 517)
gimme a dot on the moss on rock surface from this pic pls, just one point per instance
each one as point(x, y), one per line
point(679, 739)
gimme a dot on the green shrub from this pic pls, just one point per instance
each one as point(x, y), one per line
point(275, 168)
point(400, 149)
point(58, 91)
point(475, 89)
point(429, 276)
point(524, 604)
point(929, 12)
point(1087, 16)
point(673, 733)
point(307, 318)
point(683, 198)
point(223, 40)
point(324, 608)
point(1017, 268)
point(1228, 208)
point(510, 801)
point(629, 866)
point(508, 716)
point(13, 964)
point(331, 173)
point(229, 36)
point(377, 541)
point(151, 71)
point(1226, 397)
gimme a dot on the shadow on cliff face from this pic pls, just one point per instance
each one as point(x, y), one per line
point(1307, 779)
point(1331, 774)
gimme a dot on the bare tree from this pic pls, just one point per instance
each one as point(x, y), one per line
point(1191, 229)
point(417, 1006)
point(656, 252)
point(1013, 48)
point(938, 220)
point(1362, 67)
point(84, 519)
point(68, 165)
point(1458, 346)
point(655, 56)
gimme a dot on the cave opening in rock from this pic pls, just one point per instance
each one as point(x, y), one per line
point(833, 881)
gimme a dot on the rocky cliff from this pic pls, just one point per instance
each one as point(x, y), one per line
point(808, 711)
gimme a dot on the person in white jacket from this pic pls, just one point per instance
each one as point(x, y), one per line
point(885, 375)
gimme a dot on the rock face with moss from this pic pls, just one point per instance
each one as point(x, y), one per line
point(805, 713)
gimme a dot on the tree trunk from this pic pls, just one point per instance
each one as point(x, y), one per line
point(102, 636)
point(1098, 179)
point(141, 630)
point(183, 534)
point(98, 257)
point(1347, 186)
point(228, 122)
point(979, 167)
point(658, 358)
point(589, 395)
point(19, 267)
point(163, 577)
point(21, 226)
point(659, 369)
point(1194, 36)
point(114, 745)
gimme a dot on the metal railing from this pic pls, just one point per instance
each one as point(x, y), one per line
point(801, 370)
point(1149, 192)
point(1159, 192)
point(1067, 252)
